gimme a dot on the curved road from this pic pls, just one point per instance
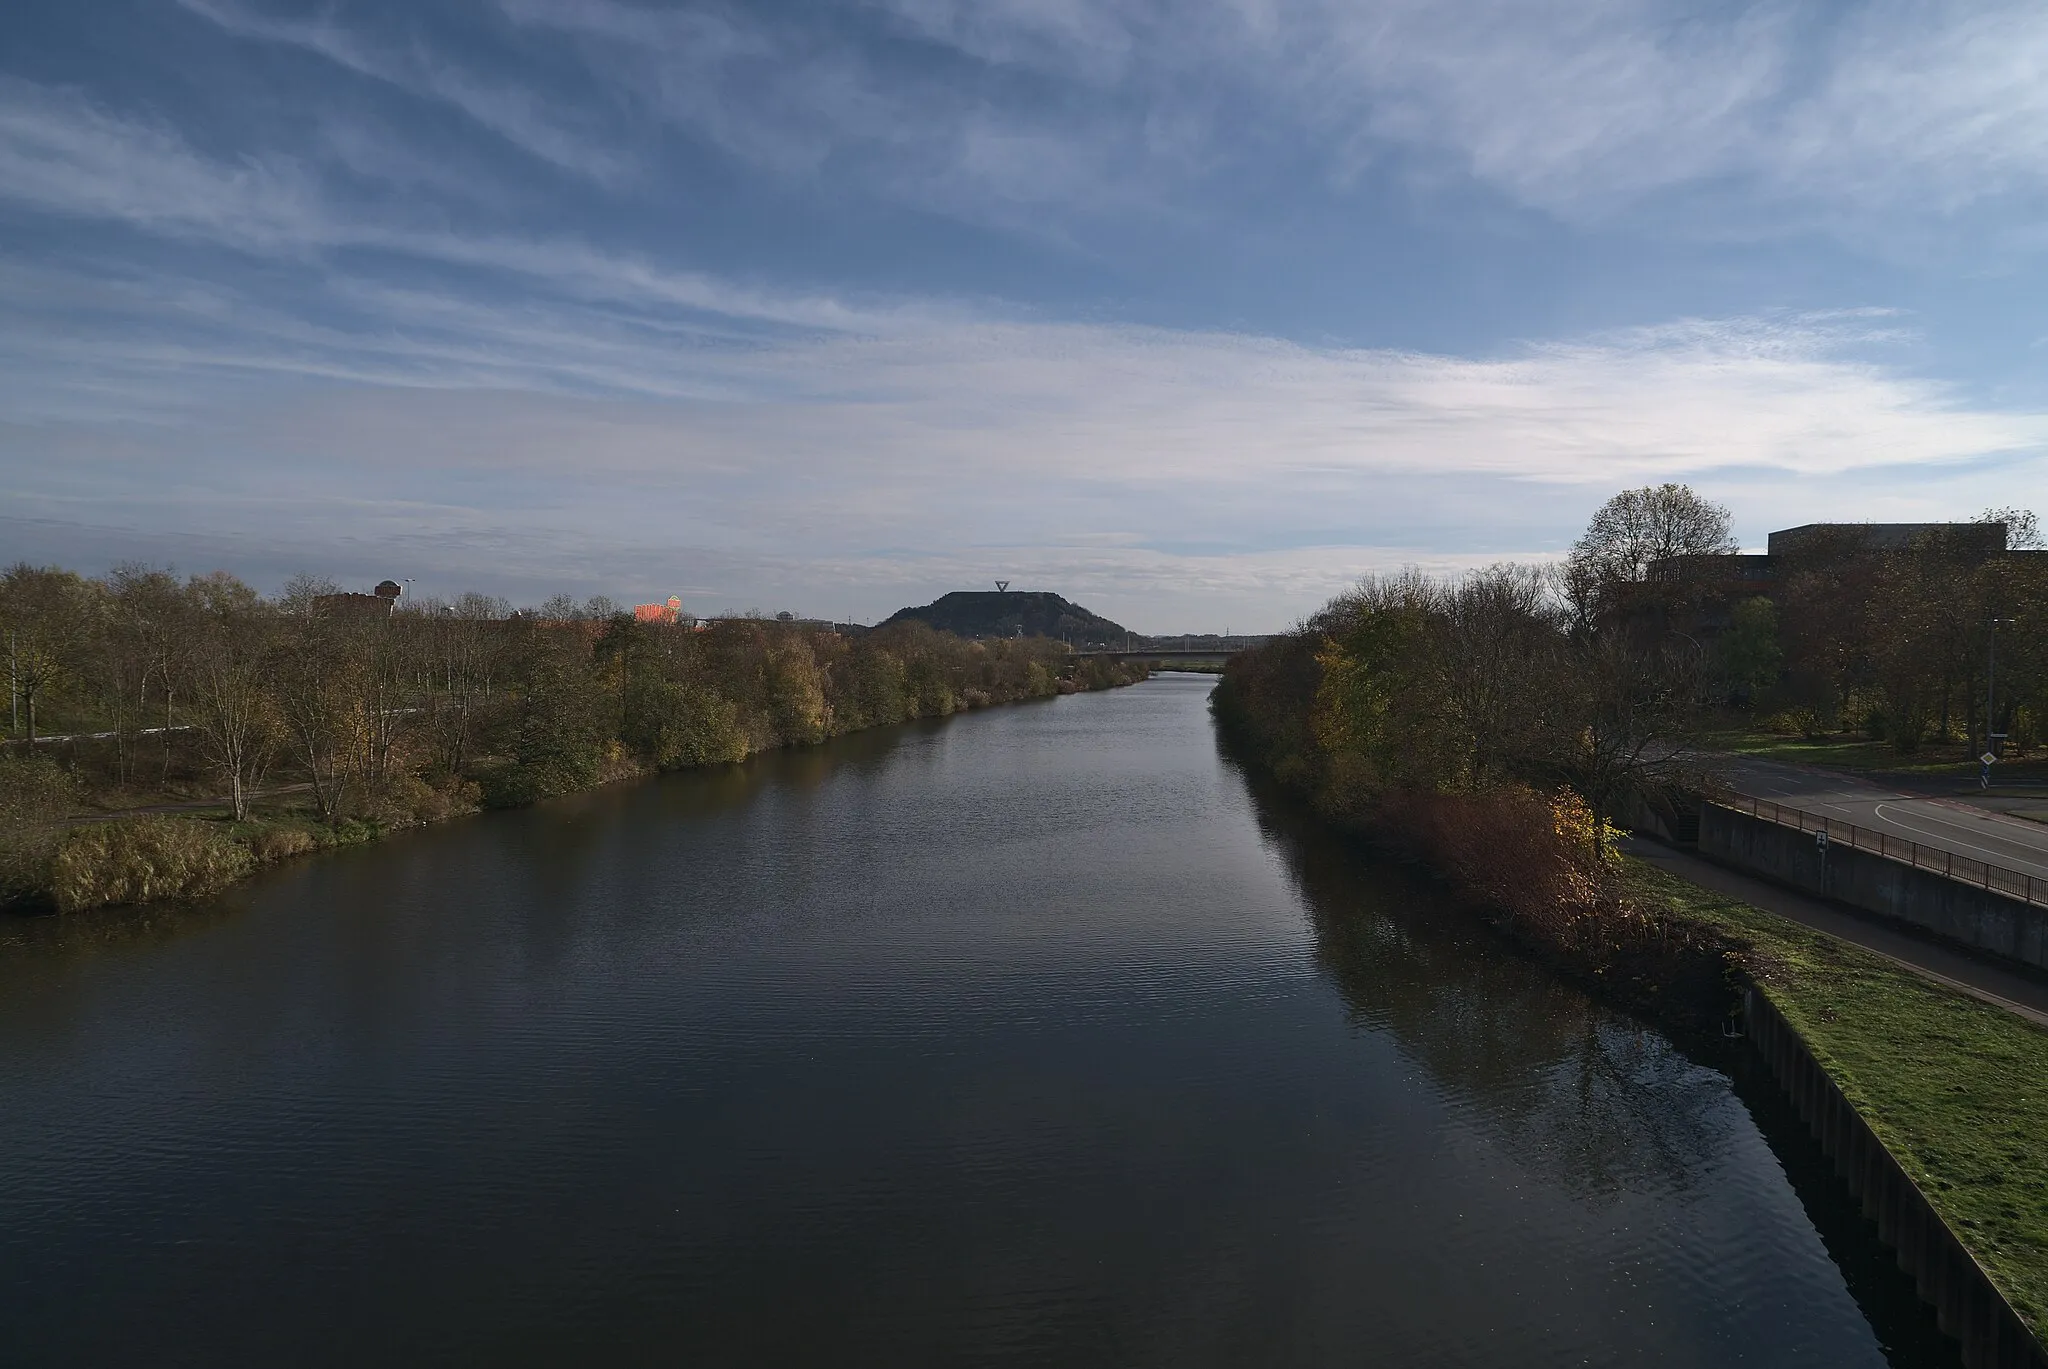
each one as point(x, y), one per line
point(1944, 824)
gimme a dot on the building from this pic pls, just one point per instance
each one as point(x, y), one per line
point(374, 606)
point(670, 612)
point(1980, 541)
point(1697, 595)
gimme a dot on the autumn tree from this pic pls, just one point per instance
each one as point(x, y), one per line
point(46, 616)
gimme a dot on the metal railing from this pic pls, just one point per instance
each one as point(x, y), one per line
point(1996, 878)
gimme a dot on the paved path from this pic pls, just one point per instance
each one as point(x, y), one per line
point(2014, 990)
point(1942, 823)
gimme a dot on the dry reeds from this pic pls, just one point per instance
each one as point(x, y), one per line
point(140, 860)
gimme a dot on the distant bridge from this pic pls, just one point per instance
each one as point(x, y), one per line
point(1211, 655)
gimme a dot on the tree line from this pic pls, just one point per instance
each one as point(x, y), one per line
point(1498, 720)
point(203, 687)
point(1933, 647)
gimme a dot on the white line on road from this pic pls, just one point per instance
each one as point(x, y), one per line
point(1998, 856)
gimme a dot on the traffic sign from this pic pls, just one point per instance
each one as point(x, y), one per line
point(1988, 758)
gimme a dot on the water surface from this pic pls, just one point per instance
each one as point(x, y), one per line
point(1031, 1037)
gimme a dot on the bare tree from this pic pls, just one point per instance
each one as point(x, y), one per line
point(316, 676)
point(2022, 529)
point(232, 708)
point(159, 614)
point(1638, 528)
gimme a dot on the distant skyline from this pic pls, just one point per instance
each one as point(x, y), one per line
point(1190, 312)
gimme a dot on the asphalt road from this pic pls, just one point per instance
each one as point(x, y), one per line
point(1945, 824)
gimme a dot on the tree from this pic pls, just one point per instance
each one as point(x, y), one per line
point(317, 676)
point(1637, 528)
point(1751, 658)
point(2022, 529)
point(135, 606)
point(46, 616)
point(465, 644)
point(232, 708)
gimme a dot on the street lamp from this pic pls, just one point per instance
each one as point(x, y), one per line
point(1991, 692)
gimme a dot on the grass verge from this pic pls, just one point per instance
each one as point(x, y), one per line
point(1955, 1088)
point(1841, 752)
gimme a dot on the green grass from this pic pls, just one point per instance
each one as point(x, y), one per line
point(1845, 752)
point(1842, 752)
point(1955, 1088)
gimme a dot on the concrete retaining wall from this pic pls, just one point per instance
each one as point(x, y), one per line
point(1949, 908)
point(1966, 1303)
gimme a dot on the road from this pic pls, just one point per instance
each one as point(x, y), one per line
point(1943, 823)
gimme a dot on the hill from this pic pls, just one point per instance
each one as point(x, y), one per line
point(985, 613)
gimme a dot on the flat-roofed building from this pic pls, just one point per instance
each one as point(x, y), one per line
point(670, 612)
point(1983, 540)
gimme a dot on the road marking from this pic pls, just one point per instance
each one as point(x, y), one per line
point(1879, 814)
point(1983, 822)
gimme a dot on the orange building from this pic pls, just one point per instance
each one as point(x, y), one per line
point(659, 613)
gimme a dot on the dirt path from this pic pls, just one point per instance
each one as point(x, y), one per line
point(186, 805)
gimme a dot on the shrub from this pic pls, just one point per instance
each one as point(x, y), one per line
point(1806, 723)
point(2022, 733)
point(140, 860)
point(403, 800)
point(33, 789)
point(702, 729)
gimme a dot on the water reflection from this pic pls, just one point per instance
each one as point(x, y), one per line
point(1598, 1102)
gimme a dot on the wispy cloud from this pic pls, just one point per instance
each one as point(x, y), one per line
point(991, 118)
point(801, 416)
point(216, 333)
point(514, 112)
point(62, 154)
point(1585, 111)
point(897, 455)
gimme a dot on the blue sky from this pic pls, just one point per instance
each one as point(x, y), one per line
point(1193, 311)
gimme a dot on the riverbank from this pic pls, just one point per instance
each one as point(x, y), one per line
point(154, 857)
point(1950, 1086)
point(1956, 1089)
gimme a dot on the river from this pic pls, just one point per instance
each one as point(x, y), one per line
point(1035, 1036)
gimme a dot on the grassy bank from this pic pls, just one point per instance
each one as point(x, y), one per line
point(1956, 1088)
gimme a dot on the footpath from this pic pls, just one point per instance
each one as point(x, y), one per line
point(2012, 989)
point(1917, 1067)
